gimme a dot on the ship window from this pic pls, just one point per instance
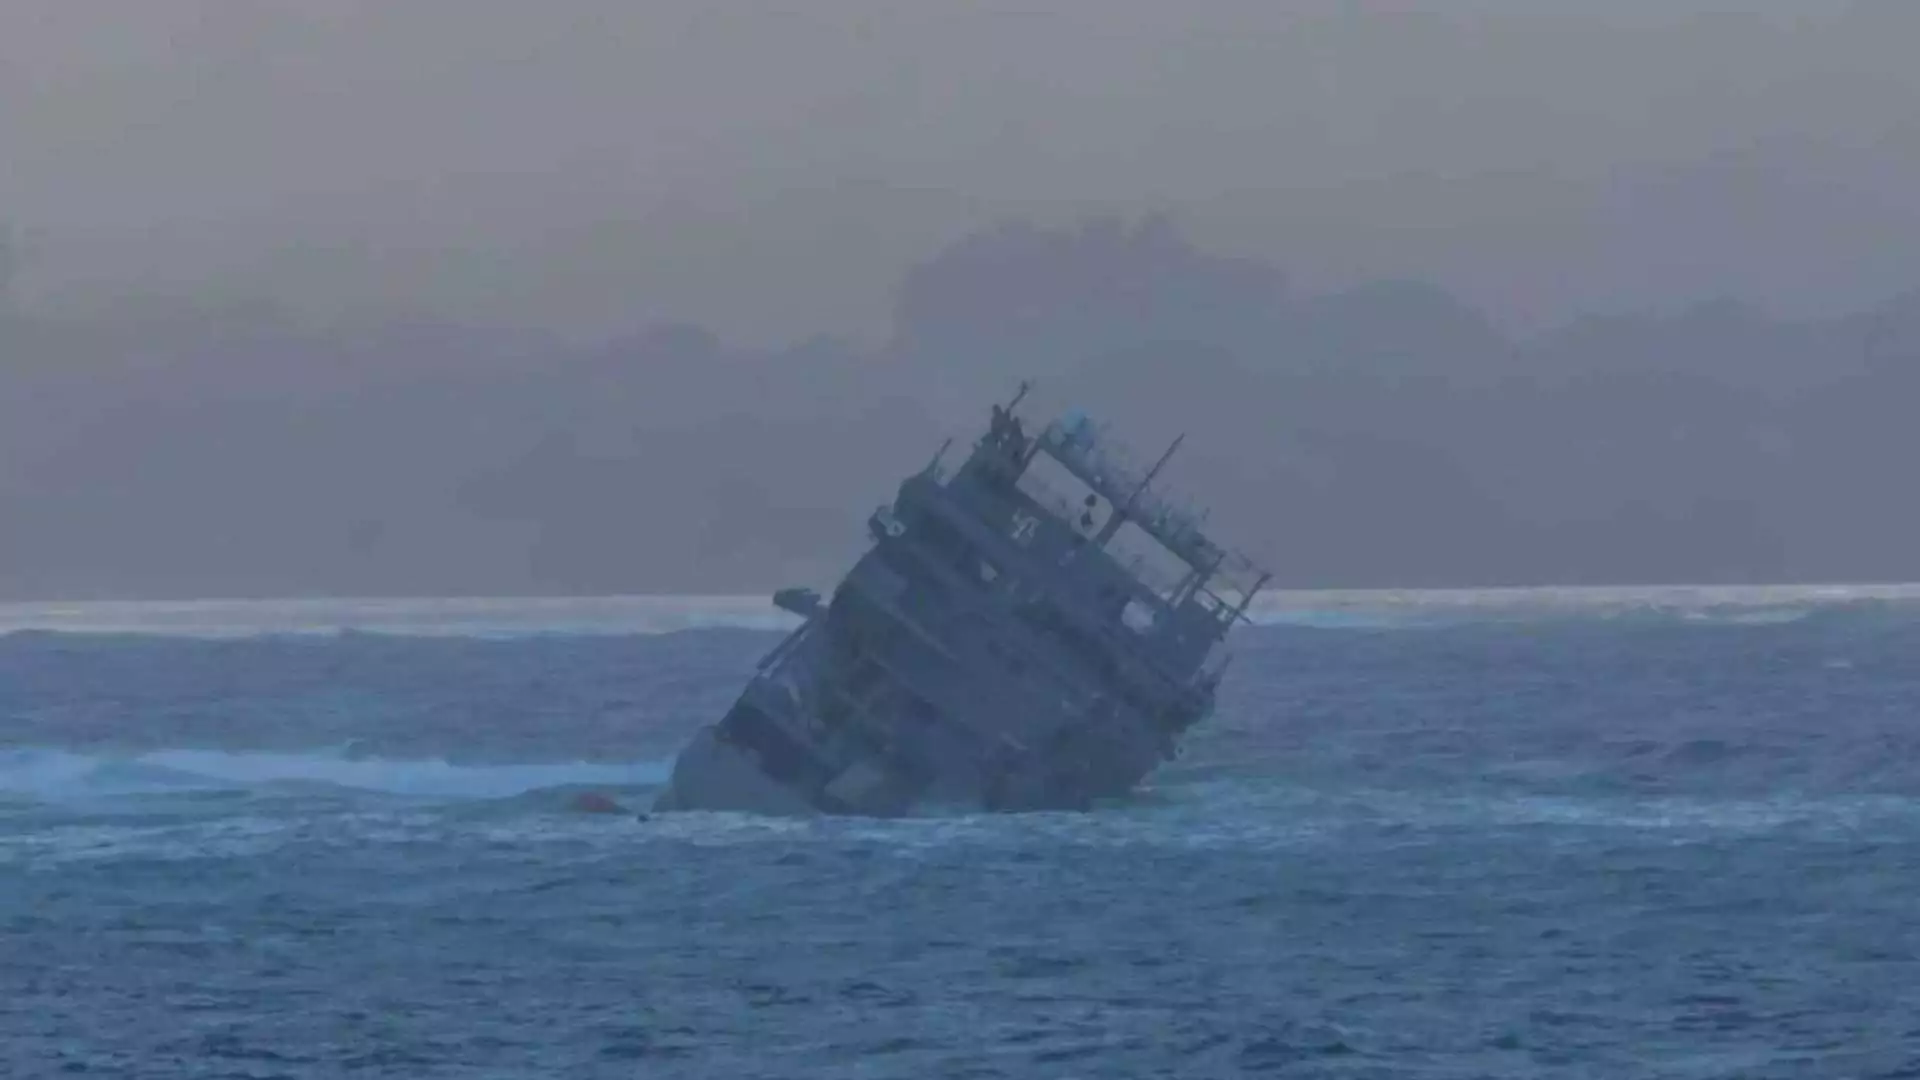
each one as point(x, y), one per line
point(1048, 482)
point(1147, 559)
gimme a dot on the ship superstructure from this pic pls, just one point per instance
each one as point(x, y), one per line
point(1033, 629)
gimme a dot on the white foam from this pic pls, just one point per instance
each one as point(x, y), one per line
point(54, 775)
point(1735, 605)
point(525, 616)
point(506, 617)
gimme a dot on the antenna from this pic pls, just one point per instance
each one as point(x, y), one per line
point(1119, 516)
point(934, 465)
point(1157, 466)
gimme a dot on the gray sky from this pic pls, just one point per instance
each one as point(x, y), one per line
point(771, 170)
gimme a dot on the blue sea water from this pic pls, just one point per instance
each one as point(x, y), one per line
point(1491, 835)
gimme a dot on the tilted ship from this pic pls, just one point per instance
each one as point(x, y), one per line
point(1035, 629)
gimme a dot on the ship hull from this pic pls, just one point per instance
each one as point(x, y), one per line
point(714, 775)
point(783, 749)
point(989, 651)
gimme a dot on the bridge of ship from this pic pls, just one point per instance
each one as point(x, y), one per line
point(997, 560)
point(1093, 525)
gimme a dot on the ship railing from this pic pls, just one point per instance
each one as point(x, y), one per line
point(1227, 590)
point(1051, 500)
point(1083, 449)
point(1239, 575)
point(1160, 581)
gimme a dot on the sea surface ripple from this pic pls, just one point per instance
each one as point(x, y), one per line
point(1668, 834)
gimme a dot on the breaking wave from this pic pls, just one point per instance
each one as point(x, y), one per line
point(52, 775)
point(507, 617)
point(1730, 607)
point(600, 616)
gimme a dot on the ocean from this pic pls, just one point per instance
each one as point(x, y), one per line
point(1533, 833)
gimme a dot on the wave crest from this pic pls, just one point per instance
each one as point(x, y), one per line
point(514, 617)
point(51, 775)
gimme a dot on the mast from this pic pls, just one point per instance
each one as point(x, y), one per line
point(1119, 516)
point(1155, 471)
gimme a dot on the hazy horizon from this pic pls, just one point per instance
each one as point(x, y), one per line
point(593, 165)
point(489, 298)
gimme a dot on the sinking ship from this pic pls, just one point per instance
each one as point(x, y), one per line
point(1034, 629)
